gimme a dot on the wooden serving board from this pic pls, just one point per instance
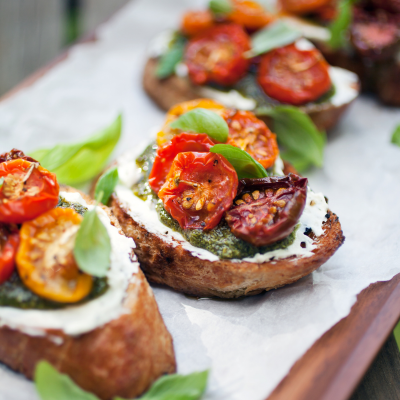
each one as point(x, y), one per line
point(333, 367)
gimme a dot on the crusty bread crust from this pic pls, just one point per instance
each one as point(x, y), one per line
point(122, 358)
point(173, 90)
point(178, 268)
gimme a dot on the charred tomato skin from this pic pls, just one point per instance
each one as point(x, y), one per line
point(294, 76)
point(15, 154)
point(252, 135)
point(267, 209)
point(21, 200)
point(216, 55)
point(181, 143)
point(199, 188)
point(9, 242)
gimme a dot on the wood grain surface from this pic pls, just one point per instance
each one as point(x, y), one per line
point(337, 362)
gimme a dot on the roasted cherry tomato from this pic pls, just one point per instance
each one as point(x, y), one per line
point(167, 133)
point(45, 259)
point(217, 55)
point(194, 22)
point(14, 154)
point(250, 14)
point(9, 241)
point(199, 188)
point(301, 7)
point(165, 155)
point(252, 135)
point(294, 76)
point(28, 190)
point(267, 209)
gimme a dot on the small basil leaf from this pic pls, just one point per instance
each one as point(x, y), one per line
point(201, 120)
point(1, 181)
point(92, 248)
point(274, 36)
point(296, 132)
point(245, 165)
point(170, 59)
point(80, 162)
point(178, 387)
point(51, 385)
point(220, 7)
point(106, 185)
point(340, 26)
point(396, 136)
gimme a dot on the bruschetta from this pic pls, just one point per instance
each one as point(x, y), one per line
point(106, 333)
point(213, 55)
point(219, 218)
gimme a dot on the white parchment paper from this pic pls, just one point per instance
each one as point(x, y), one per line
point(249, 344)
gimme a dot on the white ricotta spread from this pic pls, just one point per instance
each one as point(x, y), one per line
point(304, 44)
point(143, 212)
point(231, 99)
point(76, 320)
point(346, 86)
point(160, 44)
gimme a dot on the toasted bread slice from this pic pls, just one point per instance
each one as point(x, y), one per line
point(123, 357)
point(173, 90)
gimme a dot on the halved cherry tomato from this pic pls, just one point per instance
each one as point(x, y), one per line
point(267, 209)
point(301, 7)
point(252, 135)
point(194, 22)
point(9, 241)
point(199, 188)
point(28, 190)
point(250, 14)
point(167, 133)
point(216, 55)
point(14, 154)
point(165, 155)
point(294, 76)
point(45, 259)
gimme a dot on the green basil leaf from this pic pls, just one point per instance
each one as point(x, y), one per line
point(178, 387)
point(170, 59)
point(92, 248)
point(201, 120)
point(396, 136)
point(340, 26)
point(245, 165)
point(106, 185)
point(1, 181)
point(51, 385)
point(296, 132)
point(220, 7)
point(272, 37)
point(79, 162)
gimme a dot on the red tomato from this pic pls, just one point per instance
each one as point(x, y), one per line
point(9, 241)
point(294, 76)
point(268, 208)
point(200, 187)
point(165, 155)
point(216, 55)
point(194, 22)
point(253, 136)
point(28, 190)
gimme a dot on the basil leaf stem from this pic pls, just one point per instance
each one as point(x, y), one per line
point(79, 162)
point(340, 26)
point(396, 136)
point(303, 142)
point(220, 7)
point(245, 165)
point(92, 248)
point(201, 120)
point(273, 36)
point(170, 59)
point(52, 385)
point(106, 185)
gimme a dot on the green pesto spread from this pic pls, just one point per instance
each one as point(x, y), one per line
point(220, 240)
point(13, 293)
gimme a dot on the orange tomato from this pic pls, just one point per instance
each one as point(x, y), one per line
point(194, 22)
point(250, 14)
point(301, 7)
point(45, 259)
